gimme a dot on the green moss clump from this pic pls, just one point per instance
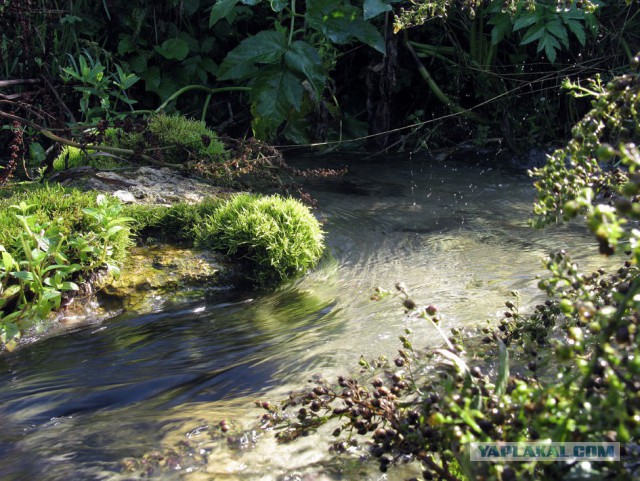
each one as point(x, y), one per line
point(278, 238)
point(179, 131)
point(174, 224)
point(179, 139)
point(74, 157)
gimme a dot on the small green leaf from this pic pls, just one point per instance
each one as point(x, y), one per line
point(275, 92)
point(190, 6)
point(36, 152)
point(69, 286)
point(23, 275)
point(503, 368)
point(525, 20)
point(10, 291)
point(174, 49)
point(501, 27)
point(550, 46)
point(556, 28)
point(577, 29)
point(534, 33)
point(152, 78)
point(342, 24)
point(125, 46)
point(278, 5)
point(114, 230)
point(50, 294)
point(303, 58)
point(7, 261)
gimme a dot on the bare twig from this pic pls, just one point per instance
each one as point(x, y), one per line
point(9, 83)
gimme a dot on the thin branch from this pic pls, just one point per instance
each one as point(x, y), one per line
point(437, 91)
point(209, 90)
point(9, 83)
point(59, 99)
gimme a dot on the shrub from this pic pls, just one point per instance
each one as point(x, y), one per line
point(277, 237)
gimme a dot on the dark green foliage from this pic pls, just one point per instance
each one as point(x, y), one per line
point(278, 238)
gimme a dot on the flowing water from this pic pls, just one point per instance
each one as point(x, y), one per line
point(74, 406)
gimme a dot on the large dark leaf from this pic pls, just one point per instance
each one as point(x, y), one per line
point(303, 58)
point(342, 23)
point(174, 48)
point(373, 8)
point(274, 92)
point(265, 47)
point(220, 10)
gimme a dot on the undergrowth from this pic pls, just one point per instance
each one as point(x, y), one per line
point(49, 238)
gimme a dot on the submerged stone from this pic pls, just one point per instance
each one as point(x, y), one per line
point(153, 276)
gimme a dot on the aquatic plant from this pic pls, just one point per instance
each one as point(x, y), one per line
point(275, 237)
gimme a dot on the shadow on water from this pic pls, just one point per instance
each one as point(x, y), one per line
point(74, 405)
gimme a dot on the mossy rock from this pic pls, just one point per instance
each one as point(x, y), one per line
point(152, 276)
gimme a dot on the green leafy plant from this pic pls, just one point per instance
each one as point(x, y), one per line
point(550, 27)
point(102, 93)
point(276, 237)
point(279, 69)
point(44, 248)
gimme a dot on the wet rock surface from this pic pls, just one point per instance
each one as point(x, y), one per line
point(148, 185)
point(153, 276)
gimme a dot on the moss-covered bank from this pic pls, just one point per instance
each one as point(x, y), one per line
point(53, 238)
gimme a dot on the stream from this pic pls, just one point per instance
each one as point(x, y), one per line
point(75, 405)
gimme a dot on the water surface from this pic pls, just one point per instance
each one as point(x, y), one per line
point(75, 405)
